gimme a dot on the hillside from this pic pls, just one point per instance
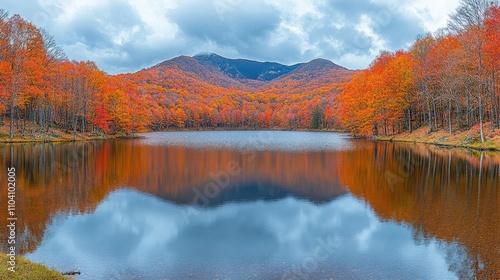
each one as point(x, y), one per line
point(248, 75)
point(317, 76)
point(210, 91)
point(191, 67)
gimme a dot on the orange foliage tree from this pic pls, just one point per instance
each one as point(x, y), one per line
point(446, 81)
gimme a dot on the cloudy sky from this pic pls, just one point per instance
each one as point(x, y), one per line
point(128, 35)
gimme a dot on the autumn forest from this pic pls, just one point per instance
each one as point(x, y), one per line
point(205, 166)
point(444, 81)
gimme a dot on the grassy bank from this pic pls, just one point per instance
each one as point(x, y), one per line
point(26, 269)
point(61, 139)
point(55, 136)
point(470, 139)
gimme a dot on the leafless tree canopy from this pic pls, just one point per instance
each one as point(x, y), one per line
point(3, 14)
point(469, 13)
point(54, 51)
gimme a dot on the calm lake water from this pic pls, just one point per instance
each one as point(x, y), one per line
point(256, 205)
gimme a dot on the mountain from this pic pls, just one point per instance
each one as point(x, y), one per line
point(210, 91)
point(317, 67)
point(191, 67)
point(248, 75)
point(245, 69)
point(316, 77)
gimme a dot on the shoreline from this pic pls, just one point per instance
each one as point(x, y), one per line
point(469, 139)
point(41, 140)
point(250, 129)
point(476, 147)
point(440, 139)
point(26, 269)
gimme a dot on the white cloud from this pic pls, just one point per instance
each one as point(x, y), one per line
point(434, 14)
point(129, 35)
point(152, 13)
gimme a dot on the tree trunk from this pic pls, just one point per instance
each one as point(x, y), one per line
point(481, 128)
point(410, 122)
point(12, 104)
point(74, 126)
point(430, 115)
point(450, 113)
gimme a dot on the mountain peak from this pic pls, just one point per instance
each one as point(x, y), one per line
point(324, 63)
point(206, 54)
point(243, 69)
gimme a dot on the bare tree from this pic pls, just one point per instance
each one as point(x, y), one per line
point(467, 23)
point(3, 15)
point(54, 52)
point(4, 34)
point(470, 13)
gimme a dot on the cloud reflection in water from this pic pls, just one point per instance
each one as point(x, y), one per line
point(132, 235)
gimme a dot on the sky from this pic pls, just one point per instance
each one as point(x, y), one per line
point(128, 35)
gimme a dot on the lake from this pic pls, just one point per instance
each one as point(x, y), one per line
point(256, 205)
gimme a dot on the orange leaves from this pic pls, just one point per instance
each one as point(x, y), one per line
point(101, 119)
point(449, 81)
point(118, 107)
point(378, 95)
point(492, 37)
point(399, 82)
point(180, 117)
point(288, 102)
point(34, 79)
point(352, 103)
point(23, 55)
point(5, 76)
point(129, 111)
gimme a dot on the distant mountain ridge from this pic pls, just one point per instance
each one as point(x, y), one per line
point(249, 75)
point(244, 68)
point(191, 67)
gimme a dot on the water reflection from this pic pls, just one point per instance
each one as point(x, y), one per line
point(435, 207)
point(448, 194)
point(76, 177)
point(252, 140)
point(288, 238)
